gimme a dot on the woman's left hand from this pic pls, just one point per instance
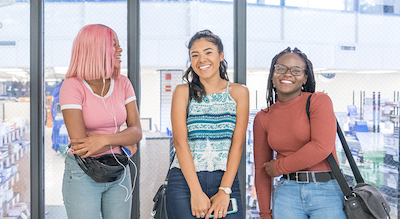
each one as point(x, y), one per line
point(269, 167)
point(219, 203)
point(85, 147)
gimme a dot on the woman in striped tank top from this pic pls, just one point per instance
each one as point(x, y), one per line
point(209, 137)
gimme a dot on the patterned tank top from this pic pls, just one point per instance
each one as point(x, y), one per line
point(210, 126)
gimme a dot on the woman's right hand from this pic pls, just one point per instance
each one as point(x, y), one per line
point(85, 147)
point(200, 204)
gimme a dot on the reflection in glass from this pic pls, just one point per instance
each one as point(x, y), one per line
point(63, 20)
point(354, 56)
point(14, 109)
point(166, 28)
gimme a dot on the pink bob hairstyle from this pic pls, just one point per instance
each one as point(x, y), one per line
point(93, 54)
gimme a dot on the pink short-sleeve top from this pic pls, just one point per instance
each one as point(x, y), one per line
point(102, 115)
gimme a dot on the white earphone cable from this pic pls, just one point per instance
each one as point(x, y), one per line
point(128, 194)
point(127, 197)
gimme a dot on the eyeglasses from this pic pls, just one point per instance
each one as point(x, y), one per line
point(294, 70)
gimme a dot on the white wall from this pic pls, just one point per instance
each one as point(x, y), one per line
point(166, 28)
point(14, 109)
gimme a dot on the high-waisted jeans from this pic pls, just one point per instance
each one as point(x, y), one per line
point(85, 198)
point(178, 193)
point(313, 200)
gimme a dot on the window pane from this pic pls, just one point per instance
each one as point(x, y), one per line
point(63, 20)
point(324, 4)
point(166, 28)
point(14, 108)
point(355, 60)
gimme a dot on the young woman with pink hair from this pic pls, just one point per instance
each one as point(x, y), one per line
point(96, 100)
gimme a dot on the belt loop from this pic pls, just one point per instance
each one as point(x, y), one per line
point(313, 176)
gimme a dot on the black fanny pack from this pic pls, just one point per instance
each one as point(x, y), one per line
point(104, 168)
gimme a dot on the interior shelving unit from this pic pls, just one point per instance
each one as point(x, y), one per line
point(14, 152)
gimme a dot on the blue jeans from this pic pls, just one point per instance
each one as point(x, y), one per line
point(85, 198)
point(178, 193)
point(314, 200)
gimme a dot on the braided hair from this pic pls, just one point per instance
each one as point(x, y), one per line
point(197, 90)
point(309, 86)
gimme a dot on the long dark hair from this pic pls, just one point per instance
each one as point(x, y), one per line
point(309, 86)
point(197, 90)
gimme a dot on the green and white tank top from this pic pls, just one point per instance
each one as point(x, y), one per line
point(210, 127)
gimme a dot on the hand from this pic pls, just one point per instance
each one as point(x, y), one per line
point(85, 147)
point(269, 167)
point(200, 204)
point(219, 203)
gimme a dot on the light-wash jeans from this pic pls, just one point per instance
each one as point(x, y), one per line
point(85, 198)
point(313, 200)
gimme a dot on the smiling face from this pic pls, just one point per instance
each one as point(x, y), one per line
point(117, 51)
point(205, 59)
point(288, 86)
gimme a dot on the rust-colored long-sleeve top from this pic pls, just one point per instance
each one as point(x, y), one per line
point(300, 143)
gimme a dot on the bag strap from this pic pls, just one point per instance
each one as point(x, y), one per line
point(332, 161)
point(187, 115)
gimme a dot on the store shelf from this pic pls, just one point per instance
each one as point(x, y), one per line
point(12, 149)
point(13, 135)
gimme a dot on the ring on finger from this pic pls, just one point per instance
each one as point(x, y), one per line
point(220, 212)
point(202, 214)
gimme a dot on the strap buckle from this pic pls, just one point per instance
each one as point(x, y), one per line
point(307, 177)
point(354, 195)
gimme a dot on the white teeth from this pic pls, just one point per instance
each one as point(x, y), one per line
point(204, 67)
point(286, 82)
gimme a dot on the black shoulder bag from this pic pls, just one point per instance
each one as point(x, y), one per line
point(160, 199)
point(364, 201)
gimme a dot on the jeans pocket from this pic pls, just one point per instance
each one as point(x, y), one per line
point(282, 181)
point(77, 175)
point(330, 185)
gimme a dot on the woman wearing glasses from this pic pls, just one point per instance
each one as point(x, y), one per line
point(307, 188)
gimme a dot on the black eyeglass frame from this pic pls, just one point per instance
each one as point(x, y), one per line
point(289, 69)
